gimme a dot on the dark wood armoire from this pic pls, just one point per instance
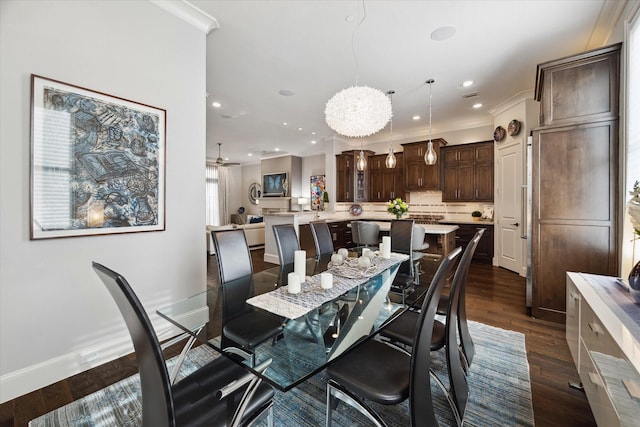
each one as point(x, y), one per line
point(575, 175)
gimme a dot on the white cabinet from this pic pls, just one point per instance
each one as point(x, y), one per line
point(603, 334)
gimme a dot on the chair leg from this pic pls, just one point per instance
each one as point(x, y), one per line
point(334, 390)
point(449, 396)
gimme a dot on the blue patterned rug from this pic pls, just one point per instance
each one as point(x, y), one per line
point(500, 393)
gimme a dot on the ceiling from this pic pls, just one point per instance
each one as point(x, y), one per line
point(305, 48)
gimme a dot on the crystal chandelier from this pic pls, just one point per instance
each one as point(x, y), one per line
point(430, 156)
point(358, 111)
point(390, 161)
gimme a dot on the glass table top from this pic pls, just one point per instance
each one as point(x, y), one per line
point(308, 343)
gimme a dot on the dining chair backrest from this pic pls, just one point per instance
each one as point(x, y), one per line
point(466, 343)
point(418, 243)
point(401, 233)
point(420, 397)
point(286, 242)
point(365, 233)
point(232, 254)
point(459, 387)
point(321, 237)
point(155, 386)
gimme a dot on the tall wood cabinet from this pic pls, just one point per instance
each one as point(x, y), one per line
point(575, 175)
point(467, 172)
point(352, 184)
point(385, 184)
point(418, 176)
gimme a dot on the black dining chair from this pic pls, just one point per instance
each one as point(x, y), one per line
point(466, 342)
point(287, 242)
point(243, 324)
point(321, 238)
point(402, 234)
point(381, 373)
point(221, 393)
point(402, 329)
point(365, 233)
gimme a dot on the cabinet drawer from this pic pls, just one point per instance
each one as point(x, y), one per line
point(594, 387)
point(595, 335)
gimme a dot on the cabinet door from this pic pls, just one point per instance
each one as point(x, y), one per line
point(376, 185)
point(413, 175)
point(483, 182)
point(450, 183)
point(484, 152)
point(466, 187)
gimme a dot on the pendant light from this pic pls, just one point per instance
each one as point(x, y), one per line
point(430, 157)
point(361, 164)
point(390, 161)
point(358, 111)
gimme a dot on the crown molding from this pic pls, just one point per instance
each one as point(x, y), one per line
point(512, 102)
point(606, 23)
point(189, 13)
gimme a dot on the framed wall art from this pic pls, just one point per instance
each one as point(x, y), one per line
point(317, 190)
point(97, 162)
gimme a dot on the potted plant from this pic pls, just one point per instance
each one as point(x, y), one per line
point(476, 215)
point(325, 200)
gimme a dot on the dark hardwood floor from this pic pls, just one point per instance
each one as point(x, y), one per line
point(494, 296)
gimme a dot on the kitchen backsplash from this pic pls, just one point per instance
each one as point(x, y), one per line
point(423, 203)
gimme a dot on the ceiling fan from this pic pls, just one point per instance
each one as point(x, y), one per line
point(220, 161)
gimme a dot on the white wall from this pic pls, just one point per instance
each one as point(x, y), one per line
point(53, 308)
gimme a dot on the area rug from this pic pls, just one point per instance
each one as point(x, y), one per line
point(500, 393)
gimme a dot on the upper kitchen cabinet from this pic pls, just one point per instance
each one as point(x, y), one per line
point(384, 183)
point(467, 172)
point(352, 184)
point(418, 176)
point(579, 88)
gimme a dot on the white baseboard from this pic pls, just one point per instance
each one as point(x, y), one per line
point(34, 377)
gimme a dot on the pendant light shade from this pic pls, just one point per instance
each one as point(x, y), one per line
point(390, 161)
point(430, 157)
point(361, 164)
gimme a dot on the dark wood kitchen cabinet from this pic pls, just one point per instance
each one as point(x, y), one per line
point(575, 192)
point(464, 234)
point(341, 234)
point(384, 183)
point(467, 172)
point(418, 176)
point(352, 185)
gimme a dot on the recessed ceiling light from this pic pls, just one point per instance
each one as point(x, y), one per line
point(313, 133)
point(277, 149)
point(314, 141)
point(216, 105)
point(477, 105)
point(226, 159)
point(443, 33)
point(284, 123)
point(416, 117)
point(286, 92)
point(467, 83)
point(299, 128)
point(250, 154)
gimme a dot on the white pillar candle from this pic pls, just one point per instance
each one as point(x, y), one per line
point(386, 249)
point(365, 252)
point(326, 280)
point(300, 264)
point(293, 283)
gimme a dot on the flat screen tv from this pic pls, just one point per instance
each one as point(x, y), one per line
point(274, 184)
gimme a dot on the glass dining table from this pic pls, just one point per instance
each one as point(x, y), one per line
point(319, 325)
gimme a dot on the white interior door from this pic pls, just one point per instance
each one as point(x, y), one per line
point(509, 226)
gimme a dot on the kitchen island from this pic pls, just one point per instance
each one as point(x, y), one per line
point(441, 238)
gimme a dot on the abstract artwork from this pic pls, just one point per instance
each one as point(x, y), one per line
point(317, 190)
point(97, 162)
